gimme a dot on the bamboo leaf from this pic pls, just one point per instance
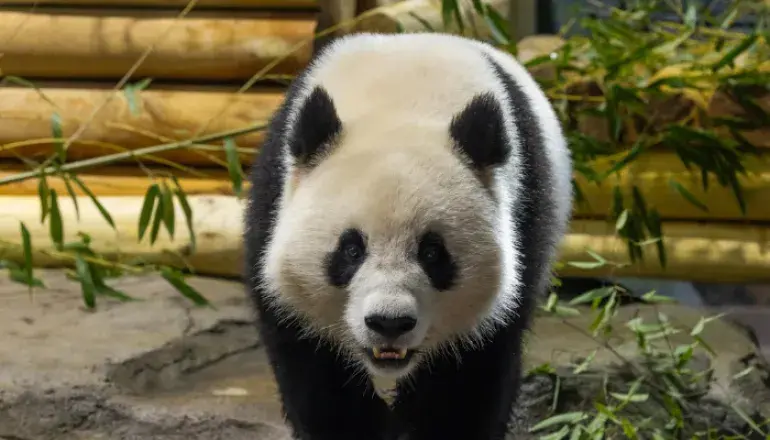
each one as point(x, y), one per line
point(560, 419)
point(691, 16)
point(150, 196)
point(234, 166)
point(498, 27)
point(622, 219)
point(74, 196)
point(102, 210)
point(56, 227)
point(176, 279)
point(157, 220)
point(56, 131)
point(632, 154)
point(18, 275)
point(25, 83)
point(733, 53)
point(451, 9)
point(103, 289)
point(86, 282)
point(653, 297)
point(44, 194)
point(187, 210)
point(591, 295)
point(168, 211)
point(586, 264)
point(558, 435)
point(26, 244)
point(631, 397)
point(132, 98)
point(690, 197)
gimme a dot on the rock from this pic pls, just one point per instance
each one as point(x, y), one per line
point(162, 369)
point(150, 369)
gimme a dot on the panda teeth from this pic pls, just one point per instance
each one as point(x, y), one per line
point(389, 354)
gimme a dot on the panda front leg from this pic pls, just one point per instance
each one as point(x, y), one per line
point(467, 400)
point(322, 397)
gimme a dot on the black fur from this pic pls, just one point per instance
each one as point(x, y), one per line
point(316, 126)
point(479, 131)
point(436, 261)
point(324, 398)
point(343, 263)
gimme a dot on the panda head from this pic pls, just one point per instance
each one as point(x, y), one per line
point(387, 236)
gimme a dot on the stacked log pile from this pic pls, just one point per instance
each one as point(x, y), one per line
point(75, 51)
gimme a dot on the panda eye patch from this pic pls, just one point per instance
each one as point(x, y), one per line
point(343, 262)
point(436, 262)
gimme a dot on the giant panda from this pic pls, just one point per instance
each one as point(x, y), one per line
point(404, 212)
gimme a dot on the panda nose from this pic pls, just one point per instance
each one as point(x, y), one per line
point(390, 326)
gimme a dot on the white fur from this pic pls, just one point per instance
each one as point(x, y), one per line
point(401, 156)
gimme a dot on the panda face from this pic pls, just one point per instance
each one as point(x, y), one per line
point(392, 255)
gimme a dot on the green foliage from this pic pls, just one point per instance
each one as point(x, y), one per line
point(642, 83)
point(654, 393)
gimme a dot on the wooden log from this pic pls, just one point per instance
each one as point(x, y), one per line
point(699, 252)
point(244, 4)
point(217, 226)
point(653, 172)
point(162, 115)
point(106, 44)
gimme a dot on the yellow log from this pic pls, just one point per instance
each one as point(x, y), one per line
point(700, 252)
point(25, 116)
point(653, 173)
point(100, 44)
point(217, 223)
point(718, 253)
point(282, 4)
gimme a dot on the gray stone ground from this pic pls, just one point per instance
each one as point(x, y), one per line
point(162, 369)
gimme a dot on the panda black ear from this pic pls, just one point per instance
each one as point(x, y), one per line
point(316, 127)
point(479, 131)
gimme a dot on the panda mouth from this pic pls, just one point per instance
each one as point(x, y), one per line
point(389, 357)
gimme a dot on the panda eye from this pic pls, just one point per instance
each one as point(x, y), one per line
point(429, 254)
point(353, 251)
